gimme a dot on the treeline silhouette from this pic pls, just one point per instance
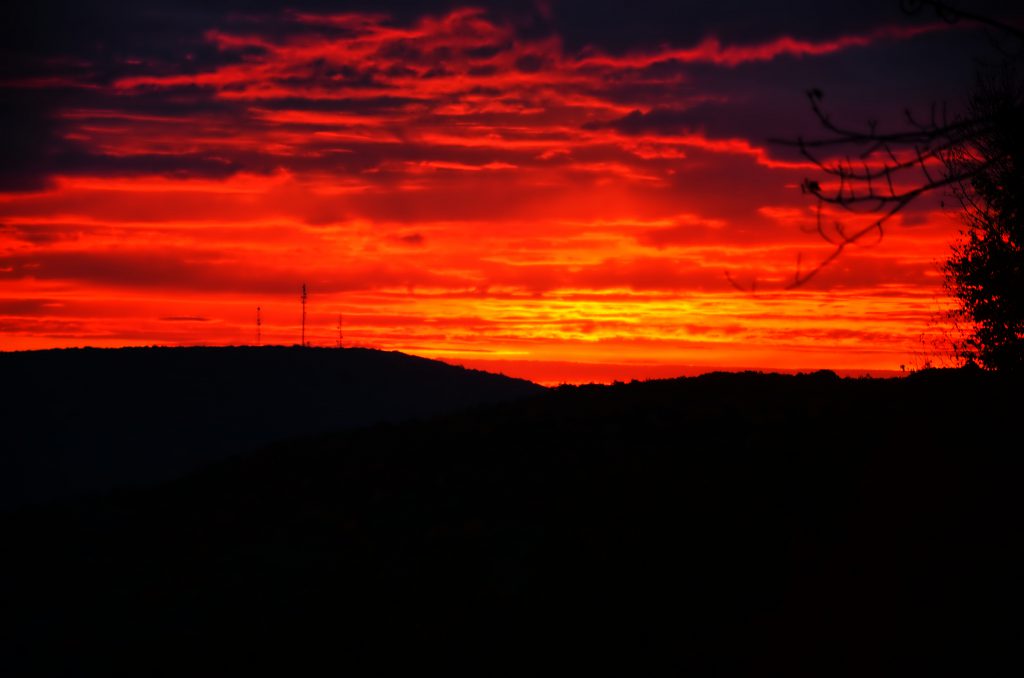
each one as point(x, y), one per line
point(81, 421)
point(730, 524)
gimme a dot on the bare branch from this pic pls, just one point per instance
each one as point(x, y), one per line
point(895, 167)
point(750, 289)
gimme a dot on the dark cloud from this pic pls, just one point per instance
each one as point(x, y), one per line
point(625, 27)
point(656, 120)
point(28, 128)
point(29, 307)
point(366, 105)
point(766, 100)
point(73, 52)
point(207, 272)
point(530, 63)
point(183, 165)
point(411, 239)
point(41, 234)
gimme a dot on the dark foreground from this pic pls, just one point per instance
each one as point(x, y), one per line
point(722, 525)
point(81, 421)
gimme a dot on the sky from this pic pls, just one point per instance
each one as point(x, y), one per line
point(562, 191)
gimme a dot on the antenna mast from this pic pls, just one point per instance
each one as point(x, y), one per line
point(259, 324)
point(341, 336)
point(303, 314)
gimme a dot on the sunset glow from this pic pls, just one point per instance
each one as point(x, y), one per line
point(478, 185)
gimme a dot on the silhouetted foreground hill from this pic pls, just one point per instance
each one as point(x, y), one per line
point(87, 420)
point(721, 525)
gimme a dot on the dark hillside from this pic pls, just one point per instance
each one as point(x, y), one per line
point(721, 525)
point(87, 420)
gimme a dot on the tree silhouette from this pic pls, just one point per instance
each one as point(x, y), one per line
point(881, 172)
point(976, 155)
point(985, 273)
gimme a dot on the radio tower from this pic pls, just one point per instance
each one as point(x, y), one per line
point(259, 324)
point(303, 314)
point(341, 336)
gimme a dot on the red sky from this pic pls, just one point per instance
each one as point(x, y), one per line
point(464, 184)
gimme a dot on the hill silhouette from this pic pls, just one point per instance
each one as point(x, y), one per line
point(78, 421)
point(730, 524)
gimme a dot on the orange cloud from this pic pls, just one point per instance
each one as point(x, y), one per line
point(450, 187)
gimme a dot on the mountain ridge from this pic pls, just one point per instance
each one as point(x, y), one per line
point(75, 418)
